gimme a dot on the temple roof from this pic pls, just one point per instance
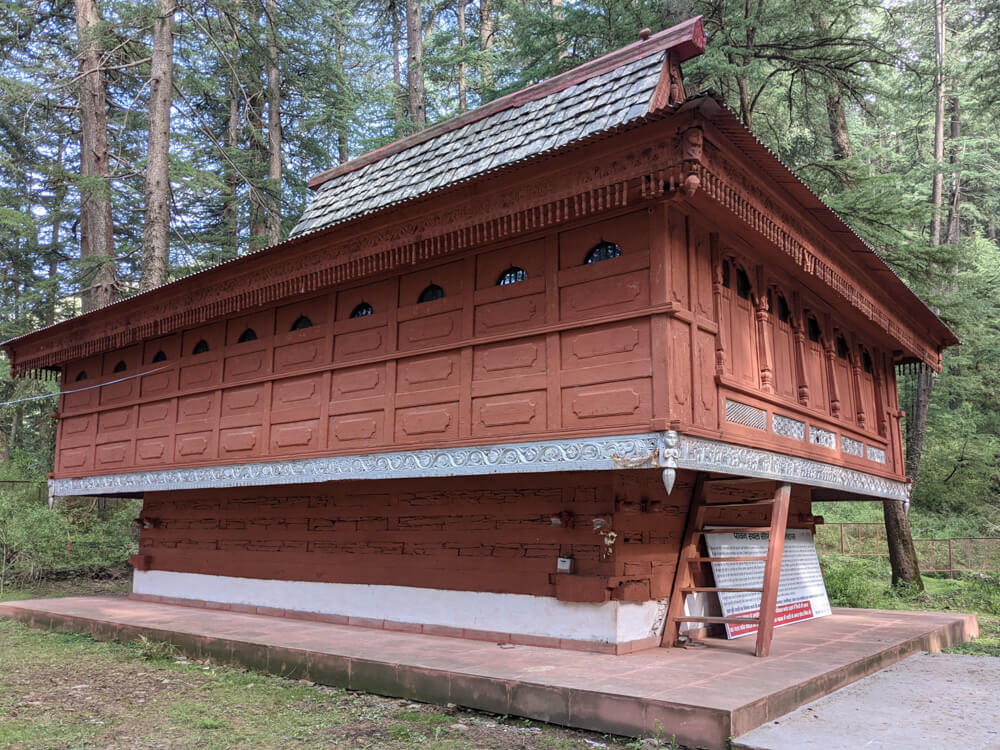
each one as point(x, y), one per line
point(595, 97)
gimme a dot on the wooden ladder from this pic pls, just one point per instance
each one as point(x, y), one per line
point(684, 583)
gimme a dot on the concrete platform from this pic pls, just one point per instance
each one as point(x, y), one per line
point(704, 696)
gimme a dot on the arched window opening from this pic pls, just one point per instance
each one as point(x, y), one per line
point(120, 367)
point(842, 349)
point(248, 335)
point(82, 375)
point(430, 294)
point(866, 362)
point(200, 348)
point(301, 323)
point(743, 286)
point(813, 329)
point(512, 275)
point(160, 356)
point(603, 250)
point(784, 312)
point(363, 310)
point(726, 280)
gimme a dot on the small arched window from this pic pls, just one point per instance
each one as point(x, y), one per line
point(743, 286)
point(160, 356)
point(866, 362)
point(812, 329)
point(726, 280)
point(842, 349)
point(431, 293)
point(248, 335)
point(603, 250)
point(363, 310)
point(201, 347)
point(784, 312)
point(120, 367)
point(82, 375)
point(301, 322)
point(512, 275)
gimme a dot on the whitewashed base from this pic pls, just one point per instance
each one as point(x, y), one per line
point(604, 622)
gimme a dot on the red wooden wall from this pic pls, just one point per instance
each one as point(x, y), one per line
point(651, 340)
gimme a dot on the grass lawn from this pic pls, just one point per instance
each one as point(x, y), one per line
point(60, 690)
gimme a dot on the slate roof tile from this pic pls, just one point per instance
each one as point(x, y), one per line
point(596, 104)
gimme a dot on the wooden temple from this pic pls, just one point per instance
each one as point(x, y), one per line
point(504, 377)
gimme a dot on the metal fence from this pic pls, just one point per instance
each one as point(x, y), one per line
point(961, 554)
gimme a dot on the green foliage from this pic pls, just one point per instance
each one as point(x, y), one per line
point(81, 534)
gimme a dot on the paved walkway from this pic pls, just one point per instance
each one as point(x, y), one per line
point(940, 701)
point(702, 696)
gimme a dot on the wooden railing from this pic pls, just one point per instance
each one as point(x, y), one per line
point(957, 554)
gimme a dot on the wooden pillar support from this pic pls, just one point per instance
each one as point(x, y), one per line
point(772, 568)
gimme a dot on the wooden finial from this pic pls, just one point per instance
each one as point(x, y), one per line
point(644, 34)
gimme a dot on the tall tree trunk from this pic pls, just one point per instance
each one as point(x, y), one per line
point(463, 103)
point(416, 96)
point(97, 250)
point(839, 134)
point(397, 75)
point(230, 208)
point(155, 243)
point(937, 187)
point(558, 16)
point(258, 160)
point(955, 202)
point(486, 29)
point(902, 553)
point(343, 152)
point(273, 127)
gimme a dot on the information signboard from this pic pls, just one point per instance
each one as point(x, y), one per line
point(801, 592)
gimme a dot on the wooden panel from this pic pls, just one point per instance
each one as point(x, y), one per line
point(366, 342)
point(509, 359)
point(681, 369)
point(706, 403)
point(200, 374)
point(242, 442)
point(261, 323)
point(113, 456)
point(154, 451)
point(509, 414)
point(85, 397)
point(250, 361)
point(194, 446)
point(115, 423)
point(159, 384)
point(816, 377)
point(157, 417)
point(784, 360)
point(306, 349)
point(608, 404)
point(197, 412)
point(845, 389)
point(527, 255)
point(431, 423)
point(294, 399)
point(78, 431)
point(317, 309)
point(604, 294)
point(448, 276)
point(380, 295)
point(357, 384)
point(614, 343)
point(427, 373)
point(243, 406)
point(350, 431)
point(76, 459)
point(630, 232)
point(510, 314)
point(213, 335)
point(431, 329)
point(295, 437)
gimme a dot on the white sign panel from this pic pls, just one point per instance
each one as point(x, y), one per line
point(801, 592)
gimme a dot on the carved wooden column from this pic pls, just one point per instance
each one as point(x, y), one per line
point(799, 337)
point(829, 353)
point(720, 337)
point(762, 314)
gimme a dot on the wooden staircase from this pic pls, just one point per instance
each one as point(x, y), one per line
point(684, 581)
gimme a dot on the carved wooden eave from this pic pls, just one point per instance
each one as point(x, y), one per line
point(665, 154)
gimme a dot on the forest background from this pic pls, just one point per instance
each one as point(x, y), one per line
point(143, 141)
